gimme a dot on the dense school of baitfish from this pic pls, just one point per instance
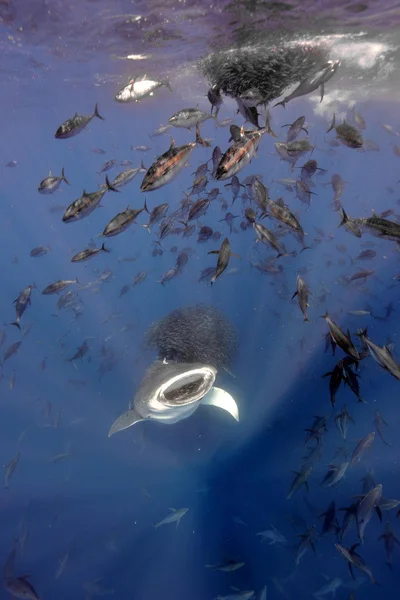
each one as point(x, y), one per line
point(271, 219)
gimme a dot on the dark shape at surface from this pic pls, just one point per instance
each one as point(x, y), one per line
point(267, 70)
point(194, 334)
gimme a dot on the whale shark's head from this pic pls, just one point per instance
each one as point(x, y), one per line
point(172, 391)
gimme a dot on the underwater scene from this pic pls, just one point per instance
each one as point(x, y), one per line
point(200, 312)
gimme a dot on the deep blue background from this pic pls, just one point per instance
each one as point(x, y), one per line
point(102, 502)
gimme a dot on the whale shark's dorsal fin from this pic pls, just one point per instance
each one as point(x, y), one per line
point(127, 419)
point(221, 398)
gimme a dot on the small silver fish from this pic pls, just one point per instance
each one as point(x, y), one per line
point(51, 183)
point(137, 89)
point(10, 468)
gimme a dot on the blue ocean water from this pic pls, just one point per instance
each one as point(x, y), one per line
point(81, 507)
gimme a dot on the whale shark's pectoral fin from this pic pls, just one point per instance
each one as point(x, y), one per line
point(127, 419)
point(221, 398)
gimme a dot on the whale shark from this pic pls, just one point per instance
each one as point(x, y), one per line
point(171, 391)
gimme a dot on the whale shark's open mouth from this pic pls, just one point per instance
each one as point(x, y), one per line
point(187, 387)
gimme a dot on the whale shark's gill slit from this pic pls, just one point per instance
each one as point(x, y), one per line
point(179, 394)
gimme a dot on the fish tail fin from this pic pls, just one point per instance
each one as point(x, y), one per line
point(332, 124)
point(345, 218)
point(146, 227)
point(199, 139)
point(97, 114)
point(362, 332)
point(104, 249)
point(63, 176)
point(16, 323)
point(142, 166)
point(268, 125)
point(109, 186)
point(282, 103)
point(307, 320)
point(215, 117)
point(322, 88)
point(167, 84)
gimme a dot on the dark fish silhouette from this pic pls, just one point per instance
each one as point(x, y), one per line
point(76, 124)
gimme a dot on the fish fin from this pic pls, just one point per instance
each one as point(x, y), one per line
point(221, 399)
point(345, 218)
point(267, 125)
point(127, 419)
point(199, 139)
point(167, 84)
point(235, 255)
point(351, 570)
point(295, 294)
point(322, 88)
point(63, 176)
point(97, 114)
point(142, 166)
point(104, 248)
point(16, 323)
point(332, 124)
point(109, 186)
point(379, 513)
point(388, 351)
point(354, 546)
point(326, 374)
point(282, 103)
point(213, 252)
